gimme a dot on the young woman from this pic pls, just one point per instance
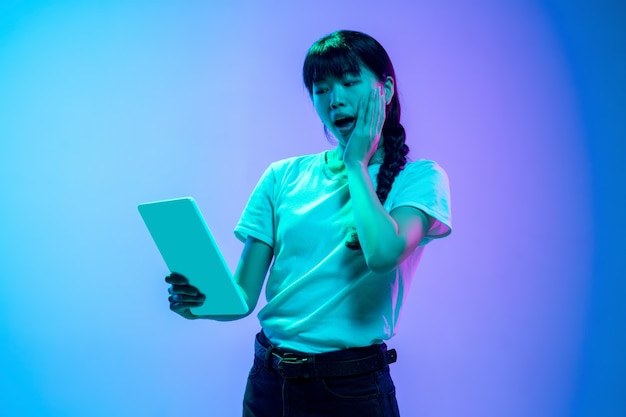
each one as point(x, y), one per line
point(345, 230)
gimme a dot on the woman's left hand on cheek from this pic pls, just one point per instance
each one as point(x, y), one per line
point(369, 122)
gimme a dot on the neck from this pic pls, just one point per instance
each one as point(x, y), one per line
point(335, 156)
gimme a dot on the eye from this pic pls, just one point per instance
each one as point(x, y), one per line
point(320, 88)
point(350, 83)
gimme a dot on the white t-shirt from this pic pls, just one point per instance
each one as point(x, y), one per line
point(320, 294)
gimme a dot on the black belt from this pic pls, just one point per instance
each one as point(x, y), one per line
point(324, 365)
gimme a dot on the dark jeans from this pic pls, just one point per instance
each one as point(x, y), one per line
point(268, 394)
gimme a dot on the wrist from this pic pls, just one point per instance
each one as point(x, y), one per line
point(355, 165)
point(356, 169)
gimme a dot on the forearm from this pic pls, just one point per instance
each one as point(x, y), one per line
point(249, 276)
point(378, 232)
point(250, 301)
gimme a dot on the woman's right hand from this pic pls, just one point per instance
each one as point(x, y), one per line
point(183, 296)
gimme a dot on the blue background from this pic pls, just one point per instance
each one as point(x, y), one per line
point(103, 105)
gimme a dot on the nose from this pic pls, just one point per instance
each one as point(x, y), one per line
point(337, 97)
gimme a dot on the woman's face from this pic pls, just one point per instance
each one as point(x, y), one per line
point(336, 100)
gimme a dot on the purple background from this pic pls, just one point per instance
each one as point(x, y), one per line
point(103, 105)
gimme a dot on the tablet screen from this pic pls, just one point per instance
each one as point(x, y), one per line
point(188, 248)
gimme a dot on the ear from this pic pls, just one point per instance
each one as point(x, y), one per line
point(389, 87)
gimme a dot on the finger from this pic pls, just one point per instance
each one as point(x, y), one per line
point(374, 102)
point(370, 109)
point(360, 113)
point(184, 298)
point(183, 310)
point(363, 117)
point(177, 279)
point(183, 289)
point(380, 121)
point(188, 314)
point(379, 111)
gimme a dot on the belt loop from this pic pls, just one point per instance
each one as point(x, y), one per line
point(267, 360)
point(382, 354)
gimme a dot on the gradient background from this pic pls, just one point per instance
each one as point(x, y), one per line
point(103, 105)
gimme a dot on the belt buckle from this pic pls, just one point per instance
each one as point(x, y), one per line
point(285, 362)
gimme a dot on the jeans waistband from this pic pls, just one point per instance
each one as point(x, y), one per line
point(347, 362)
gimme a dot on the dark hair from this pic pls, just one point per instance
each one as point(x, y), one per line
point(341, 53)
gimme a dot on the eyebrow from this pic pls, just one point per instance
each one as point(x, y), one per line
point(339, 77)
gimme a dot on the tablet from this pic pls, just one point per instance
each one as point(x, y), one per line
point(188, 248)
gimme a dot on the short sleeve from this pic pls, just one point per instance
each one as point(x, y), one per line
point(424, 185)
point(257, 219)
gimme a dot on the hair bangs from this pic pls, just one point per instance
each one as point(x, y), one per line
point(329, 60)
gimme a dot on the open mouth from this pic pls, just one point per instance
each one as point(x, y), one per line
point(344, 122)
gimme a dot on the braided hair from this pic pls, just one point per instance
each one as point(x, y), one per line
point(343, 52)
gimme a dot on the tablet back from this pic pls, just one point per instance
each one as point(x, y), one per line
point(188, 248)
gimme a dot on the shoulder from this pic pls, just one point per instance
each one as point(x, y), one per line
point(423, 170)
point(424, 184)
point(421, 183)
point(295, 165)
point(296, 161)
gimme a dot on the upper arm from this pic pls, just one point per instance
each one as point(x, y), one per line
point(412, 224)
point(252, 269)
